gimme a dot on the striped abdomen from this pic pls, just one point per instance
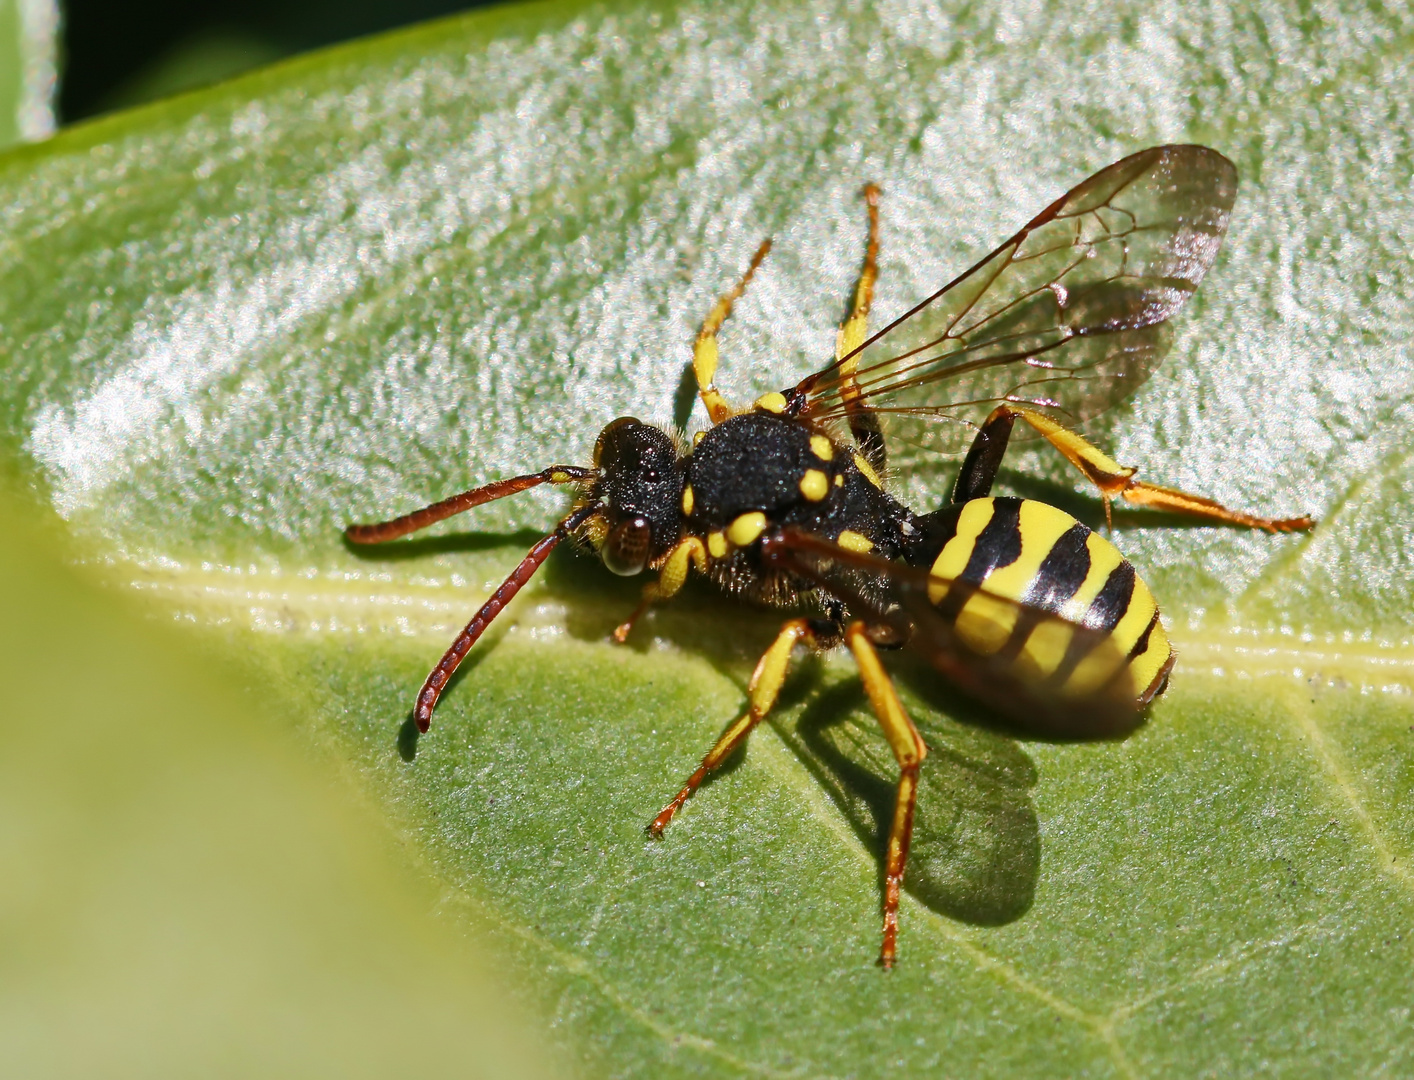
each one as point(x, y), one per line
point(1036, 557)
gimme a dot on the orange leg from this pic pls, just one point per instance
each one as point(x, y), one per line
point(1114, 481)
point(903, 737)
point(762, 691)
point(908, 748)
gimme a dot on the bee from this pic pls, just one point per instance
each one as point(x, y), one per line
point(1014, 602)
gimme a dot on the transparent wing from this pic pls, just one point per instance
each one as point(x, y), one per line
point(1070, 313)
point(1046, 674)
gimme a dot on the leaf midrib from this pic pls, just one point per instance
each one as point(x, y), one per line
point(211, 593)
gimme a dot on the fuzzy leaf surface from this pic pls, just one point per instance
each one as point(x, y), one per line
point(362, 280)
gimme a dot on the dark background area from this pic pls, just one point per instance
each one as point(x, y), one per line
point(122, 52)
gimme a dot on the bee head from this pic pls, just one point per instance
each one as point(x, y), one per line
point(639, 487)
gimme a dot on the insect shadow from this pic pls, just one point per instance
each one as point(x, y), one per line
point(455, 543)
point(976, 851)
point(684, 397)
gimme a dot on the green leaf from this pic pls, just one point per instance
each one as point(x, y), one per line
point(362, 280)
point(183, 893)
point(198, 60)
point(29, 33)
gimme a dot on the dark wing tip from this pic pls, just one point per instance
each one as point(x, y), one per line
point(1082, 689)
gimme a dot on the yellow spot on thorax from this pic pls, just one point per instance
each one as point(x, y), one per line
point(717, 544)
point(822, 448)
point(774, 402)
point(687, 499)
point(868, 471)
point(853, 541)
point(814, 485)
point(698, 436)
point(746, 528)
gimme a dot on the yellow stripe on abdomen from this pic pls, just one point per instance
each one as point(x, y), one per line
point(1104, 559)
point(1149, 663)
point(1135, 620)
point(1040, 527)
point(985, 623)
point(1020, 536)
point(953, 559)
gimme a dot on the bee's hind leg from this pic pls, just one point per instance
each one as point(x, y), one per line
point(979, 471)
point(910, 751)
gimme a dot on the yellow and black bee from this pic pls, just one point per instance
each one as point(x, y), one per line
point(1015, 602)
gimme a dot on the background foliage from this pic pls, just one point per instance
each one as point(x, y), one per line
point(360, 280)
point(28, 46)
point(184, 892)
point(122, 52)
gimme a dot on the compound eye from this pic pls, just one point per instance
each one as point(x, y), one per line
point(606, 436)
point(625, 550)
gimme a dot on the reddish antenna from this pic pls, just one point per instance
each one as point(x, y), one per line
point(429, 515)
point(399, 527)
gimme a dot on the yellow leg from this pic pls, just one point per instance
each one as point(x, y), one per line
point(908, 748)
point(863, 423)
point(856, 325)
point(671, 577)
point(704, 353)
point(1117, 481)
point(765, 685)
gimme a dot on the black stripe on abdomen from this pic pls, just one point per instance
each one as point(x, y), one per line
point(998, 544)
point(1062, 572)
point(1113, 601)
point(1142, 645)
